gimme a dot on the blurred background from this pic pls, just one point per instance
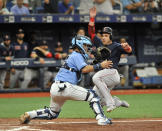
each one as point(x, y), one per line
point(49, 25)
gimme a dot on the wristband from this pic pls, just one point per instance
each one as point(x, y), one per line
point(97, 67)
point(49, 55)
point(128, 49)
point(92, 19)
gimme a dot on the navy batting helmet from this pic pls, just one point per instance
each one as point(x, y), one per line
point(107, 30)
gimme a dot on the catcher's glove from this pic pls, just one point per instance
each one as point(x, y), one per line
point(101, 54)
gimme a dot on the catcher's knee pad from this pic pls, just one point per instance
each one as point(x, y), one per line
point(47, 113)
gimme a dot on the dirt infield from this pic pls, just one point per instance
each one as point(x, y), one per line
point(113, 92)
point(82, 125)
point(151, 124)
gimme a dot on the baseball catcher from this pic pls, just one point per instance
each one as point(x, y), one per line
point(65, 85)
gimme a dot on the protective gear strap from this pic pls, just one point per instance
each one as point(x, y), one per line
point(45, 113)
point(87, 96)
point(97, 67)
point(68, 68)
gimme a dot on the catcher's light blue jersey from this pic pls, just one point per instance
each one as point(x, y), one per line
point(75, 61)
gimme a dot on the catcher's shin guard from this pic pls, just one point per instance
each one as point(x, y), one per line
point(97, 109)
point(95, 103)
point(45, 113)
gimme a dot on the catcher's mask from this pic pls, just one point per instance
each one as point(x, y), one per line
point(107, 30)
point(79, 41)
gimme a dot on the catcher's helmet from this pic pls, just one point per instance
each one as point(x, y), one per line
point(107, 30)
point(79, 41)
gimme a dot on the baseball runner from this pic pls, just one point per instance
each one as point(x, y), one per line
point(107, 79)
point(6, 54)
point(65, 86)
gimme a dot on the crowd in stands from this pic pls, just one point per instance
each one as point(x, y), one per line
point(25, 7)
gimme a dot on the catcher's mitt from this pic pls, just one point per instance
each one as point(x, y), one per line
point(101, 54)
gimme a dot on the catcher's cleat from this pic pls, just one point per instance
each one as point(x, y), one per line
point(25, 118)
point(111, 108)
point(104, 121)
point(124, 104)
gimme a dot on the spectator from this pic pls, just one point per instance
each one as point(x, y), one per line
point(6, 54)
point(84, 7)
point(149, 6)
point(40, 52)
point(9, 4)
point(26, 3)
point(21, 51)
point(50, 6)
point(34, 5)
point(131, 6)
point(104, 6)
point(160, 5)
point(76, 4)
point(19, 8)
point(3, 9)
point(65, 7)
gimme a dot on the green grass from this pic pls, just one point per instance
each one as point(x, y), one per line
point(142, 106)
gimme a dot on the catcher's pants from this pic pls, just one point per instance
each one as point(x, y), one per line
point(2, 77)
point(104, 81)
point(60, 95)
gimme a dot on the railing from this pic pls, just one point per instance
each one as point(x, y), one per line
point(49, 18)
point(29, 62)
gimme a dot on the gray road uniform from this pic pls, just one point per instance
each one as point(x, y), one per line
point(4, 52)
point(21, 51)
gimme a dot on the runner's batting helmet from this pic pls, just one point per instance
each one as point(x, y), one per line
point(107, 30)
